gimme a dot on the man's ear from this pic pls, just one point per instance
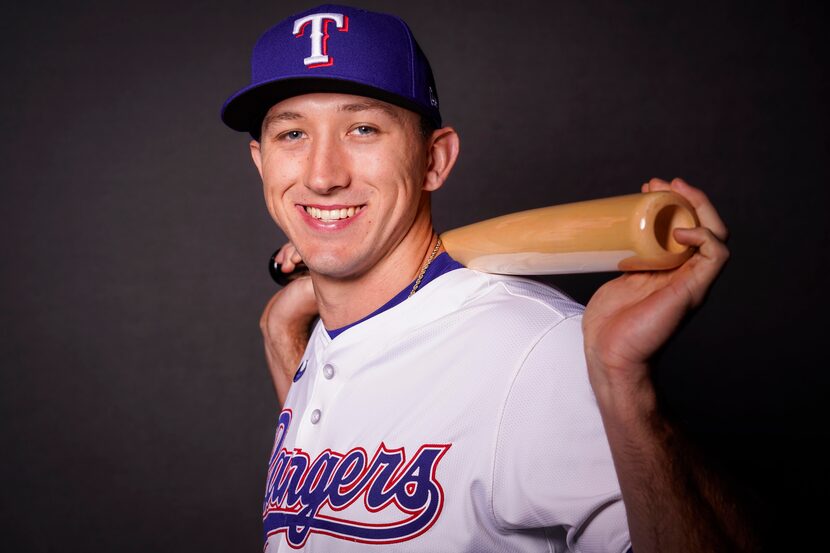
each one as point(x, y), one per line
point(256, 155)
point(443, 147)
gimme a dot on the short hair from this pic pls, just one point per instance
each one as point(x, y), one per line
point(427, 126)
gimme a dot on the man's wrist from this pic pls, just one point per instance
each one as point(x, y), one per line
point(625, 395)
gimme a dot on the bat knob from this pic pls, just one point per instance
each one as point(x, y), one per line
point(283, 278)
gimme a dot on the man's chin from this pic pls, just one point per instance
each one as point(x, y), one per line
point(335, 268)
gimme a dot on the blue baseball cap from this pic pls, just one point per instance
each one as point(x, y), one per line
point(334, 48)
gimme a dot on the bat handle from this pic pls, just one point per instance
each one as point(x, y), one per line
point(283, 278)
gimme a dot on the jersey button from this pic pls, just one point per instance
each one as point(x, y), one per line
point(328, 372)
point(315, 416)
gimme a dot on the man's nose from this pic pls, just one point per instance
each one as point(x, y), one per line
point(327, 166)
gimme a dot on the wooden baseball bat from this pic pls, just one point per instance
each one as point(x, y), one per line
point(619, 233)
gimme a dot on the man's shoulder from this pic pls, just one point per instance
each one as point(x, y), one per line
point(506, 295)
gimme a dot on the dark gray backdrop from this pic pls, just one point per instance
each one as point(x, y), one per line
point(135, 407)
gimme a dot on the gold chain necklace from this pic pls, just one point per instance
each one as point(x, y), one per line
point(426, 265)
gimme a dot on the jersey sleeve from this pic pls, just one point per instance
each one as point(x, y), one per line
point(552, 465)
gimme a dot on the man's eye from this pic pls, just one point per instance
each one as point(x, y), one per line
point(364, 130)
point(292, 135)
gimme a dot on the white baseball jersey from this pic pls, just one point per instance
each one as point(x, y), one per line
point(460, 420)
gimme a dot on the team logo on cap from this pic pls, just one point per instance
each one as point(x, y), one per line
point(320, 35)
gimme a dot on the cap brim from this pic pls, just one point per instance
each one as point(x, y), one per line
point(245, 110)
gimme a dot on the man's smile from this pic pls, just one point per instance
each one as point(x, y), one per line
point(333, 212)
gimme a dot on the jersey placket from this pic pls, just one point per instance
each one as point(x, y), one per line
point(327, 379)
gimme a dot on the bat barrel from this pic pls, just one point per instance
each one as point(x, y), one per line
point(622, 233)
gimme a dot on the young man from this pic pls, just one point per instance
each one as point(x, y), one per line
point(434, 408)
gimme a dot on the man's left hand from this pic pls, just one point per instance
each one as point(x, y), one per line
point(631, 317)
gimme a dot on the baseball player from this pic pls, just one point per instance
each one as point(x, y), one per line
point(434, 408)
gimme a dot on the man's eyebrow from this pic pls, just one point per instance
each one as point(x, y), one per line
point(370, 105)
point(281, 116)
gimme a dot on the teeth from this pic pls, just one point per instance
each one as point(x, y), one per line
point(332, 214)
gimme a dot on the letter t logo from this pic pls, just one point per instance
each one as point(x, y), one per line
point(320, 35)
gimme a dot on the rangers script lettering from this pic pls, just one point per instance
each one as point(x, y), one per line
point(319, 35)
point(400, 500)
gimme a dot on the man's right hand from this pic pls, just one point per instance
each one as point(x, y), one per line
point(286, 324)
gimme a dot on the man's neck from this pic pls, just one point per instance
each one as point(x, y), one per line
point(344, 301)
